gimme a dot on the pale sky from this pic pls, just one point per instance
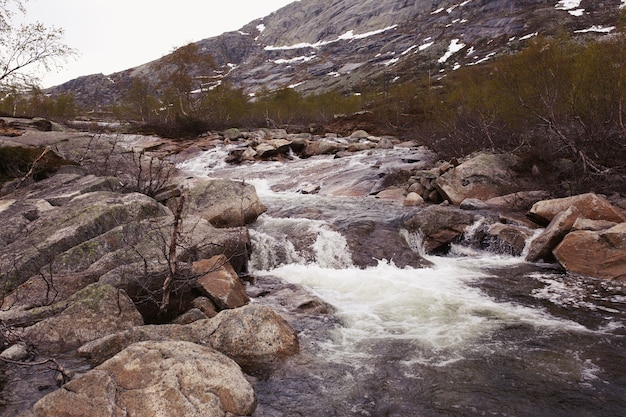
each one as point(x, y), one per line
point(114, 35)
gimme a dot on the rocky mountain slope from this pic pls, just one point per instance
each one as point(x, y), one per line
point(321, 45)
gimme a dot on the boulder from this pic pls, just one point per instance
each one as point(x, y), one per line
point(148, 379)
point(473, 204)
point(94, 312)
point(541, 246)
point(522, 200)
point(484, 176)
point(321, 147)
point(225, 203)
point(17, 352)
point(439, 225)
point(590, 206)
point(254, 336)
point(220, 283)
point(413, 199)
point(600, 254)
point(273, 147)
point(506, 238)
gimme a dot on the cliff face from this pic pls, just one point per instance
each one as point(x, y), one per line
point(319, 45)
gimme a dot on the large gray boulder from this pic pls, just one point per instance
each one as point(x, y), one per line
point(484, 176)
point(156, 379)
point(254, 336)
point(225, 203)
point(94, 312)
point(600, 254)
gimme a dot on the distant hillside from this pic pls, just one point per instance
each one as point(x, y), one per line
point(321, 45)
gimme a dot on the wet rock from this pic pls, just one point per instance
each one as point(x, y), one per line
point(599, 254)
point(220, 283)
point(541, 246)
point(254, 336)
point(94, 312)
point(506, 238)
point(370, 243)
point(483, 176)
point(225, 203)
point(439, 225)
point(591, 206)
point(172, 378)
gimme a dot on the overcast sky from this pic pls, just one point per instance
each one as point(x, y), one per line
point(113, 35)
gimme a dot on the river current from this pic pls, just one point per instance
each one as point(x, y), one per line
point(474, 334)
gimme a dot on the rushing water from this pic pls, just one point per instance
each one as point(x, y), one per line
point(474, 334)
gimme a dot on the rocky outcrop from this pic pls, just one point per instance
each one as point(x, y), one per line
point(57, 230)
point(483, 177)
point(156, 379)
point(91, 313)
point(254, 336)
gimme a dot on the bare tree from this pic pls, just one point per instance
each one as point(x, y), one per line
point(27, 49)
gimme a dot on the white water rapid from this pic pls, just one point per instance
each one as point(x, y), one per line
point(473, 334)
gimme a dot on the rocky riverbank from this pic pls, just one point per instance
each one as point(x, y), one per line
point(113, 257)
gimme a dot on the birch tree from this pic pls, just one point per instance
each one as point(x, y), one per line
point(27, 50)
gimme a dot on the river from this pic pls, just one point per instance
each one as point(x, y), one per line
point(474, 333)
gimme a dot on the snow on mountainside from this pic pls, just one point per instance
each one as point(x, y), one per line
point(319, 45)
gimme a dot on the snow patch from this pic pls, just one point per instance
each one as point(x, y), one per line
point(530, 35)
point(454, 47)
point(295, 60)
point(425, 46)
point(348, 36)
point(598, 29)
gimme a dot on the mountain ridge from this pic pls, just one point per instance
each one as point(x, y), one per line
point(315, 46)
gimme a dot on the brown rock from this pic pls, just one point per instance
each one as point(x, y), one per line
point(599, 254)
point(522, 200)
point(220, 282)
point(541, 247)
point(590, 206)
